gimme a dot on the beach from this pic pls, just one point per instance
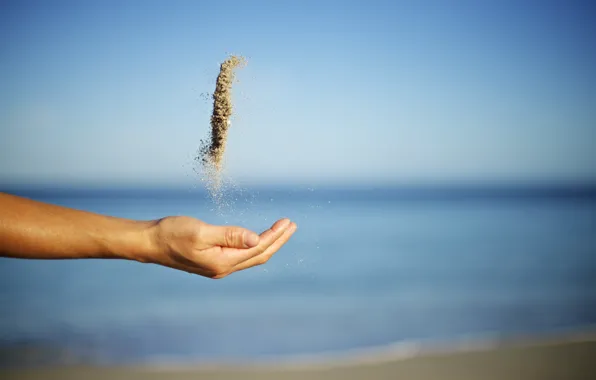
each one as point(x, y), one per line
point(560, 358)
point(455, 285)
point(435, 160)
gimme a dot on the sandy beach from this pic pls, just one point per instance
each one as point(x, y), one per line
point(561, 358)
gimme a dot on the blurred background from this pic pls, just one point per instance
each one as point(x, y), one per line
point(437, 156)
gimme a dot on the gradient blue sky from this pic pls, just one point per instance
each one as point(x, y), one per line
point(107, 92)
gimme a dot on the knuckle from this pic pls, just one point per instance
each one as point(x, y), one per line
point(261, 250)
point(230, 237)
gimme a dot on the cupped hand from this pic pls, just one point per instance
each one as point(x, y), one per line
point(212, 251)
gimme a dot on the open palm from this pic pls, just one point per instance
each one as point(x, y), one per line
point(197, 247)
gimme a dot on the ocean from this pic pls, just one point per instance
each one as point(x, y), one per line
point(366, 268)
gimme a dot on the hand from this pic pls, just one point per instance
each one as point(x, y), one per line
point(197, 247)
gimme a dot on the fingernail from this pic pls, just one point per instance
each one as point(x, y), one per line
point(282, 226)
point(251, 240)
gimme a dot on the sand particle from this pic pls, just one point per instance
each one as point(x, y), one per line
point(211, 153)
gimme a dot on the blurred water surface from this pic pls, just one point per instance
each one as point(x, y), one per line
point(365, 268)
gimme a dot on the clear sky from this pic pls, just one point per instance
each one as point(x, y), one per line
point(109, 92)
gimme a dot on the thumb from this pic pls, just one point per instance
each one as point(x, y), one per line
point(230, 236)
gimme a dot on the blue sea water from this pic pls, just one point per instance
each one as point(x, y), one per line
point(365, 268)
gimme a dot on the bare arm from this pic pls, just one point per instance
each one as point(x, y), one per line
point(37, 230)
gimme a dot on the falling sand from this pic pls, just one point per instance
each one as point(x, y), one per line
point(211, 153)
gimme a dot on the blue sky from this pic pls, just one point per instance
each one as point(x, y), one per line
point(109, 92)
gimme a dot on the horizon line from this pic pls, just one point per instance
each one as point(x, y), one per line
point(306, 185)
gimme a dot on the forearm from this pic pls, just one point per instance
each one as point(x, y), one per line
point(36, 230)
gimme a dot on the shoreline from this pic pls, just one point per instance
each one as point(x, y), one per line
point(556, 356)
point(397, 351)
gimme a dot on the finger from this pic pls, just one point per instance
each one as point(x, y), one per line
point(273, 248)
point(267, 238)
point(229, 236)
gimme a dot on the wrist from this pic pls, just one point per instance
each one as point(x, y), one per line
point(141, 242)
